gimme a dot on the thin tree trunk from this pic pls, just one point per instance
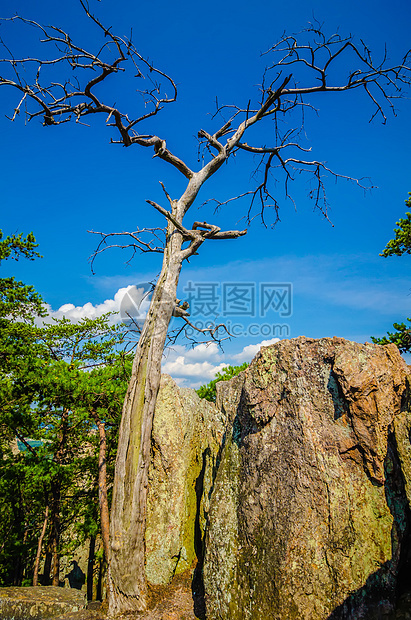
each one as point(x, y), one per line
point(56, 564)
point(55, 532)
point(19, 564)
point(126, 575)
point(56, 484)
point(102, 490)
point(19, 520)
point(39, 548)
point(47, 565)
point(90, 568)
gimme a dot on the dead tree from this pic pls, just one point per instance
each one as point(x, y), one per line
point(301, 67)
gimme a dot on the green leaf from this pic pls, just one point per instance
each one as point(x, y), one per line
point(209, 391)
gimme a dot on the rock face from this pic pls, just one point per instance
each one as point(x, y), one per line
point(40, 603)
point(187, 436)
point(310, 515)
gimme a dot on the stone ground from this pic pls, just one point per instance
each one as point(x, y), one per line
point(176, 602)
point(179, 606)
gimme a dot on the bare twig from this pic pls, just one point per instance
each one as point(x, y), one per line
point(137, 243)
point(211, 334)
point(311, 55)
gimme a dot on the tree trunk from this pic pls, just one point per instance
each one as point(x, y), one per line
point(18, 515)
point(102, 489)
point(90, 568)
point(126, 578)
point(55, 532)
point(19, 564)
point(39, 547)
point(47, 566)
point(56, 486)
point(56, 564)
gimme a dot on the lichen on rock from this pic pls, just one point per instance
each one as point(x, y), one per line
point(309, 516)
point(39, 603)
point(186, 439)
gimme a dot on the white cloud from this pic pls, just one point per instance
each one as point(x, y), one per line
point(203, 352)
point(190, 374)
point(90, 311)
point(193, 367)
point(197, 366)
point(251, 350)
point(188, 367)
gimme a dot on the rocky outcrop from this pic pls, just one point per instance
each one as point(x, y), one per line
point(39, 603)
point(186, 439)
point(310, 514)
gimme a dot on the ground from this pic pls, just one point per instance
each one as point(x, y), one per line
point(175, 602)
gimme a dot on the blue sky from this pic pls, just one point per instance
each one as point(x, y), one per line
point(62, 181)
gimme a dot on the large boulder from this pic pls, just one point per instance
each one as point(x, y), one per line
point(39, 603)
point(310, 514)
point(186, 439)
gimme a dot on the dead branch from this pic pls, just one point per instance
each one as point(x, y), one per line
point(215, 232)
point(136, 245)
point(64, 100)
point(199, 232)
point(211, 331)
point(211, 334)
point(312, 57)
point(172, 219)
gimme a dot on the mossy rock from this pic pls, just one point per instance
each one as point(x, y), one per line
point(39, 603)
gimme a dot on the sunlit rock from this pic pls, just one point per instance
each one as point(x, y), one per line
point(187, 435)
point(310, 515)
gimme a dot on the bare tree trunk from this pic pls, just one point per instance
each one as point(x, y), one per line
point(39, 548)
point(127, 581)
point(279, 96)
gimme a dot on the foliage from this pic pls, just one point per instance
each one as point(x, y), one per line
point(209, 391)
point(18, 300)
point(402, 337)
point(54, 380)
point(19, 504)
point(16, 246)
point(299, 66)
point(73, 373)
point(17, 513)
point(401, 244)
